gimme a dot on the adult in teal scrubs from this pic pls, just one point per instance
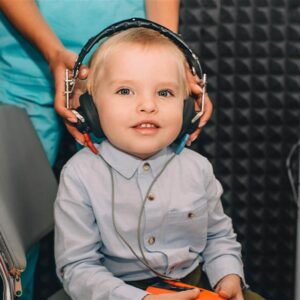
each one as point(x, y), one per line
point(34, 38)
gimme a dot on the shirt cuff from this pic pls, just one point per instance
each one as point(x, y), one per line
point(223, 266)
point(127, 292)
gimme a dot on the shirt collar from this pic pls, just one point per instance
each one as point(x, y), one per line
point(127, 164)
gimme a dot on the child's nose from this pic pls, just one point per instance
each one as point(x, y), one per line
point(147, 105)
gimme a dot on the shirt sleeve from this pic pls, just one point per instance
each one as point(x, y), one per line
point(222, 254)
point(77, 247)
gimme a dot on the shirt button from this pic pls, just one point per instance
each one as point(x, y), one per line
point(151, 240)
point(151, 196)
point(191, 215)
point(146, 166)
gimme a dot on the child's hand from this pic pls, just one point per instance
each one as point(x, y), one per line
point(186, 295)
point(229, 287)
point(196, 89)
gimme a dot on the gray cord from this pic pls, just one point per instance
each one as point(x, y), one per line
point(140, 220)
point(143, 260)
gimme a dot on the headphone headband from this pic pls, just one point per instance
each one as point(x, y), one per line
point(191, 57)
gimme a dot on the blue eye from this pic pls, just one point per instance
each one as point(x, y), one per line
point(124, 91)
point(165, 93)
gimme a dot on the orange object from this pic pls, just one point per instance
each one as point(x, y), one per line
point(166, 287)
point(89, 143)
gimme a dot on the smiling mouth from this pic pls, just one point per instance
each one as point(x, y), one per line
point(146, 128)
point(146, 125)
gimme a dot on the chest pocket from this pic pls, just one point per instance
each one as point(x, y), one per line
point(187, 228)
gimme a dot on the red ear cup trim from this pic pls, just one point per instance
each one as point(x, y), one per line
point(89, 143)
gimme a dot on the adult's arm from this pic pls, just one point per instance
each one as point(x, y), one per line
point(164, 12)
point(26, 17)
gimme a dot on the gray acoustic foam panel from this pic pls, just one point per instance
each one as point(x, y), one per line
point(250, 50)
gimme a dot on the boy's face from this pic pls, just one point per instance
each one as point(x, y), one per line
point(139, 99)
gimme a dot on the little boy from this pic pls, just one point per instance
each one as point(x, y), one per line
point(137, 212)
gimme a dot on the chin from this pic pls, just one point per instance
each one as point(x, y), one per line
point(143, 153)
point(143, 149)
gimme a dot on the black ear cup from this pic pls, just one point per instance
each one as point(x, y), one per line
point(90, 114)
point(88, 111)
point(188, 114)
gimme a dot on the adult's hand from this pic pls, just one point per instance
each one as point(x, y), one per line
point(196, 89)
point(58, 63)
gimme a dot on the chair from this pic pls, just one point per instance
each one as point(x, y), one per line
point(27, 192)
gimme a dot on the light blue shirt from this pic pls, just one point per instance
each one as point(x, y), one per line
point(183, 222)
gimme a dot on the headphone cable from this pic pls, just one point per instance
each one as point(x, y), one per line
point(143, 260)
point(140, 221)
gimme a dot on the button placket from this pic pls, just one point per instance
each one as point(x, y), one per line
point(153, 217)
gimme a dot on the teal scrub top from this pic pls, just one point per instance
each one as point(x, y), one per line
point(25, 79)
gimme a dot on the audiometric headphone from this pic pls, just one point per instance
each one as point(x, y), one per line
point(87, 114)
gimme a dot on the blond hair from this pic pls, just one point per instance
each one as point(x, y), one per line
point(140, 36)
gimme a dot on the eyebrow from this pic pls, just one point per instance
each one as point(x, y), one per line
point(121, 81)
point(172, 84)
